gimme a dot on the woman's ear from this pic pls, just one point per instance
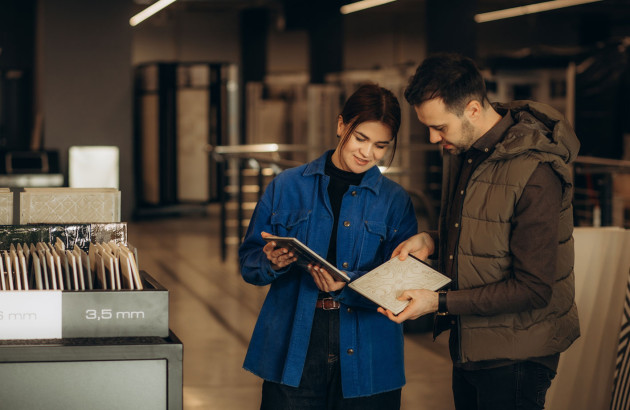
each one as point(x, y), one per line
point(340, 126)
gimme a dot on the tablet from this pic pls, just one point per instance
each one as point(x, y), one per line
point(306, 256)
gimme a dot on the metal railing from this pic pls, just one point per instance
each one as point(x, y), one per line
point(240, 157)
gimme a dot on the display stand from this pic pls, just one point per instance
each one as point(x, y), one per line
point(92, 373)
point(86, 349)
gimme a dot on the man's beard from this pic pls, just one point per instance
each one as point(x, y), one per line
point(467, 140)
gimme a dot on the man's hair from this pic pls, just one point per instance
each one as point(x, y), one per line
point(452, 77)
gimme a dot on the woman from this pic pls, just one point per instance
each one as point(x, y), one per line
point(318, 344)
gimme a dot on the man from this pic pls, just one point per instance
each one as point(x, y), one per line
point(504, 237)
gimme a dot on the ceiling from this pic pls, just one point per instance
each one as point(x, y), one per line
point(399, 5)
point(616, 11)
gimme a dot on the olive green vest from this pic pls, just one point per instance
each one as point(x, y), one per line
point(483, 253)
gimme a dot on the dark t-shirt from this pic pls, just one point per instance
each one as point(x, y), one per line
point(339, 182)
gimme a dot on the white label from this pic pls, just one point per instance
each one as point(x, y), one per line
point(30, 315)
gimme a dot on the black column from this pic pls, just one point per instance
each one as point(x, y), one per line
point(254, 28)
point(325, 32)
point(17, 51)
point(451, 26)
point(324, 23)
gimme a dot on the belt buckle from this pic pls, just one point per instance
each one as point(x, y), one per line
point(329, 304)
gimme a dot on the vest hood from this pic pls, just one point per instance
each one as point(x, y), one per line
point(538, 127)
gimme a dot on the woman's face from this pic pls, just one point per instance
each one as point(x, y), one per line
point(365, 147)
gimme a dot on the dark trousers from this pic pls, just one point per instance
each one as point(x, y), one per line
point(320, 387)
point(521, 386)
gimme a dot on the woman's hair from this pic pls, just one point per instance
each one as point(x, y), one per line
point(371, 103)
point(452, 77)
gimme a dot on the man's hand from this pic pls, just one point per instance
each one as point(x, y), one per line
point(421, 302)
point(420, 246)
point(324, 280)
point(279, 258)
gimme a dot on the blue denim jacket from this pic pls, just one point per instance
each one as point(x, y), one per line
point(380, 216)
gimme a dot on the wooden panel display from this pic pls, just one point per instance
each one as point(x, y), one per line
point(192, 137)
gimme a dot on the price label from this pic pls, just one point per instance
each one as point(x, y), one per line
point(30, 315)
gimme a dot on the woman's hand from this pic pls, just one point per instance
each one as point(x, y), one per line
point(324, 280)
point(420, 246)
point(279, 258)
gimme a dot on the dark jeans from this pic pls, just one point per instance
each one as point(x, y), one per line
point(320, 387)
point(520, 386)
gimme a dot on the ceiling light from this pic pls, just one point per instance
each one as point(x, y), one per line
point(149, 11)
point(362, 5)
point(529, 9)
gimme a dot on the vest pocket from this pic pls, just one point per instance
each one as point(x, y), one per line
point(293, 223)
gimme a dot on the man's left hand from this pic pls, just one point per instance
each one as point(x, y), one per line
point(421, 302)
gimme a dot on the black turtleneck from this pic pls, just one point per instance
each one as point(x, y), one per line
point(339, 182)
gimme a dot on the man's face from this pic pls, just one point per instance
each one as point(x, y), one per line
point(454, 134)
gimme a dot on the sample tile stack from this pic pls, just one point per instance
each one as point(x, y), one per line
point(43, 266)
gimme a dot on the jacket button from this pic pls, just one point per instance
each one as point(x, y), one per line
point(349, 310)
point(354, 193)
point(351, 351)
point(456, 225)
point(345, 265)
point(450, 257)
point(346, 224)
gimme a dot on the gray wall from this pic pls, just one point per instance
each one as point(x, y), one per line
point(85, 80)
point(187, 36)
point(376, 38)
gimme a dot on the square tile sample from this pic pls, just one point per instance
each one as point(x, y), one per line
point(69, 205)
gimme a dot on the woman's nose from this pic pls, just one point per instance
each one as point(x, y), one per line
point(366, 150)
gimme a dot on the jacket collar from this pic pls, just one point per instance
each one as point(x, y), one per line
point(372, 180)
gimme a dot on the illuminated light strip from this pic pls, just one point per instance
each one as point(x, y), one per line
point(362, 5)
point(149, 11)
point(529, 9)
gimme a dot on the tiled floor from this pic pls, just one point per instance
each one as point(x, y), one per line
point(213, 311)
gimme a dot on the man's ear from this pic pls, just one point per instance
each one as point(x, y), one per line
point(473, 110)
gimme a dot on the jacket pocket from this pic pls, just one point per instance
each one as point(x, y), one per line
point(374, 238)
point(292, 223)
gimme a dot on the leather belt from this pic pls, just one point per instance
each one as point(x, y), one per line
point(327, 304)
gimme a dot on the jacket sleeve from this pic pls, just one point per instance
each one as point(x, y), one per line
point(255, 267)
point(405, 227)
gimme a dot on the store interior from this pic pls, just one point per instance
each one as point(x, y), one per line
point(191, 112)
